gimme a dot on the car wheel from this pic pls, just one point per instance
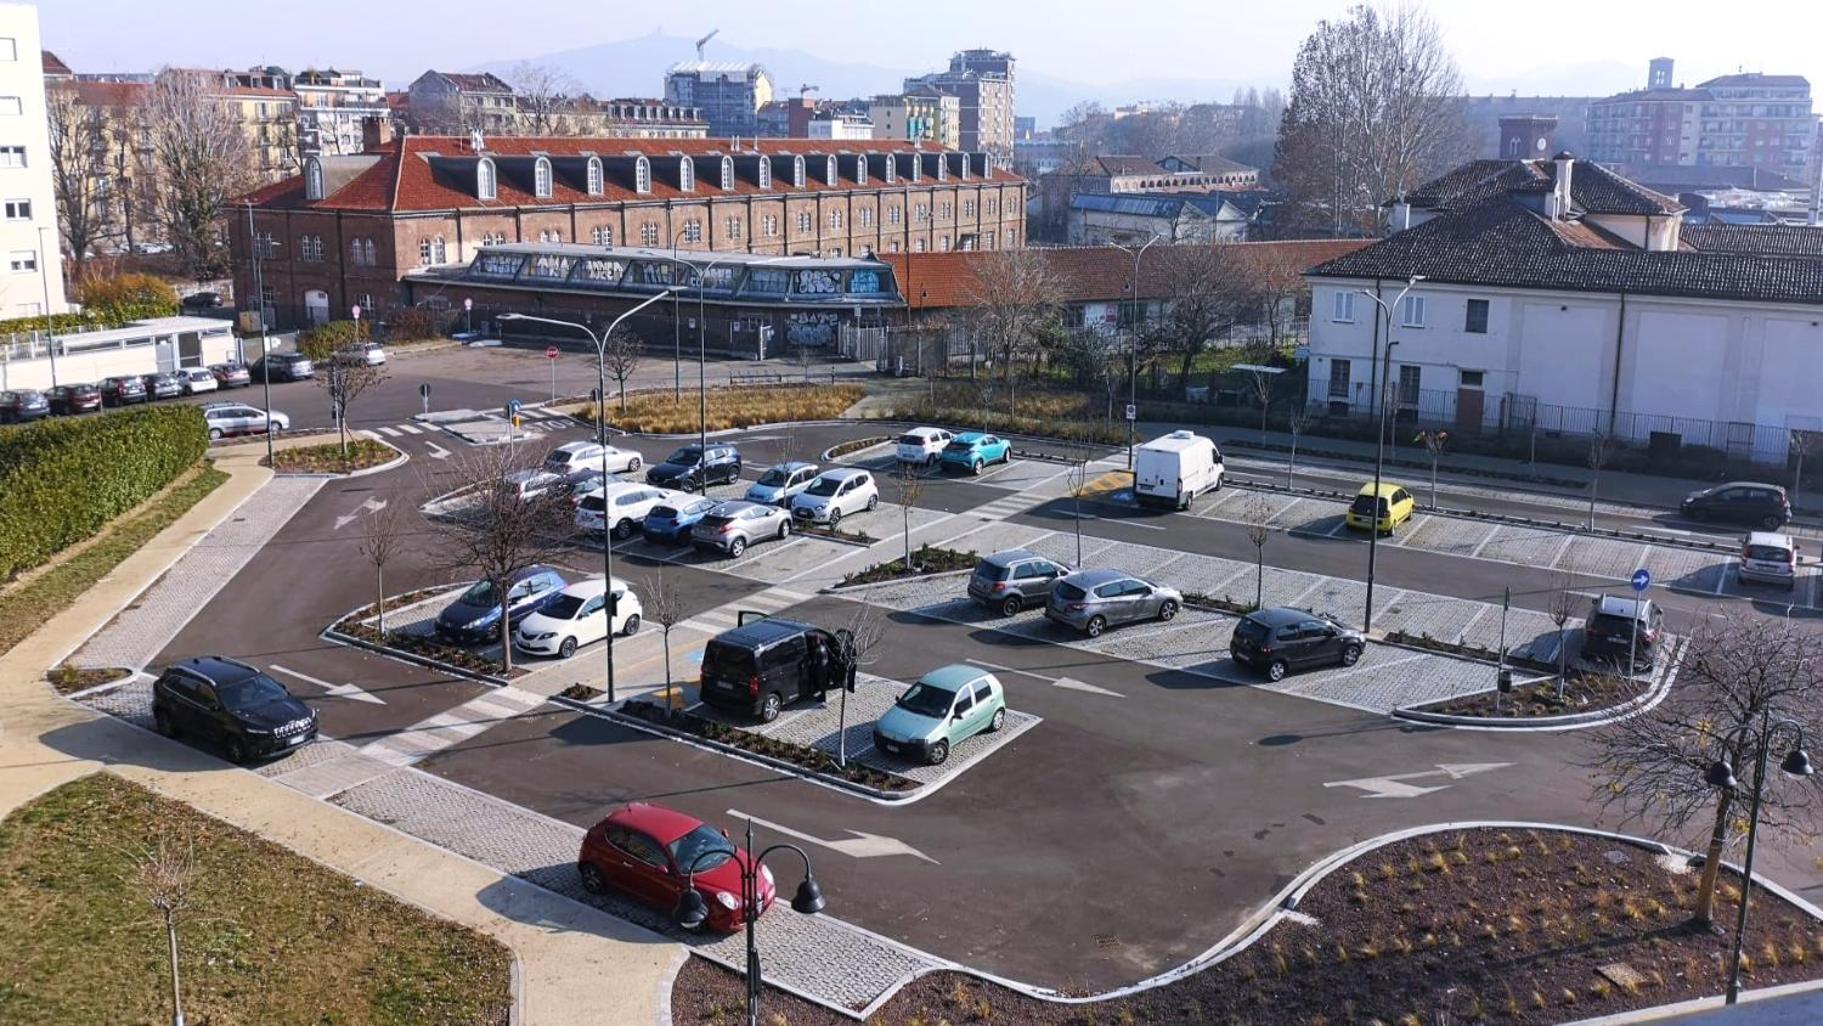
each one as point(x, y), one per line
point(873, 503)
point(736, 547)
point(1698, 515)
point(1351, 654)
point(835, 517)
point(1166, 610)
point(623, 530)
point(1275, 670)
point(591, 879)
point(999, 720)
point(1770, 523)
point(235, 750)
point(632, 625)
point(975, 467)
point(1010, 605)
point(784, 529)
point(215, 434)
point(931, 460)
point(161, 722)
point(937, 754)
point(633, 464)
point(769, 709)
point(568, 648)
point(1095, 626)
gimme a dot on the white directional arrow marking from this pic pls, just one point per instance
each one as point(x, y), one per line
point(1395, 786)
point(348, 691)
point(437, 452)
point(370, 506)
point(1070, 683)
point(860, 846)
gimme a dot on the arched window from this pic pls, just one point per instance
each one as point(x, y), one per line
point(892, 169)
point(355, 252)
point(727, 174)
point(437, 253)
point(765, 173)
point(942, 168)
point(368, 245)
point(642, 175)
point(541, 178)
point(594, 175)
point(797, 172)
point(829, 170)
point(484, 179)
point(861, 169)
point(313, 179)
point(686, 175)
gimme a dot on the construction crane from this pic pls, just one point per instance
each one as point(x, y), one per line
point(806, 89)
point(704, 42)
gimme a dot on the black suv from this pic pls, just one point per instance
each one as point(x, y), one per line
point(694, 468)
point(765, 663)
point(1281, 639)
point(1740, 502)
point(231, 705)
point(1613, 623)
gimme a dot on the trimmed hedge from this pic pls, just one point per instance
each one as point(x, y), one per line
point(62, 480)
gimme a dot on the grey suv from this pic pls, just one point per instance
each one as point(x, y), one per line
point(1276, 641)
point(1012, 580)
point(732, 526)
point(1091, 601)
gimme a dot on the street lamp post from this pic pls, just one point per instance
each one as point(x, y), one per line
point(1721, 774)
point(601, 438)
point(1379, 410)
point(701, 274)
point(259, 303)
point(50, 334)
point(692, 910)
point(1133, 351)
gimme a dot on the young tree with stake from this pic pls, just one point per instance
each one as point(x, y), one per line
point(664, 606)
point(1299, 419)
point(1601, 450)
point(342, 369)
point(382, 534)
point(1561, 608)
point(621, 355)
point(166, 874)
point(908, 482)
point(1434, 441)
point(1258, 512)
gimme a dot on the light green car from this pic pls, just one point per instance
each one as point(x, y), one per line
point(947, 706)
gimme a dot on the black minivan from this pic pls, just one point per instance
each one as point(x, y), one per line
point(228, 704)
point(759, 667)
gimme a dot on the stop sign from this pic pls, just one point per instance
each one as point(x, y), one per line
point(550, 352)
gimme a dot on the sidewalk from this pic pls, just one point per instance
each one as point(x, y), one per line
point(574, 964)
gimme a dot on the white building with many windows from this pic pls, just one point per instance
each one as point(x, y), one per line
point(1560, 298)
point(31, 277)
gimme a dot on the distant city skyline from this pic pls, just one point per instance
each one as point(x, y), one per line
point(1555, 46)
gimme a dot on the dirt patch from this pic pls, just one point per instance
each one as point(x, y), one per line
point(925, 560)
point(69, 679)
point(812, 759)
point(363, 453)
point(1489, 926)
point(1590, 693)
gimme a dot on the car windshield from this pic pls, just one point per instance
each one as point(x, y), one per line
point(727, 661)
point(926, 700)
point(715, 522)
point(686, 457)
point(1769, 552)
point(824, 486)
point(1608, 623)
point(482, 594)
point(958, 446)
point(563, 607)
point(993, 571)
point(1251, 630)
point(699, 506)
point(558, 456)
point(912, 440)
point(1365, 504)
point(775, 477)
point(662, 513)
point(701, 849)
point(251, 693)
point(594, 503)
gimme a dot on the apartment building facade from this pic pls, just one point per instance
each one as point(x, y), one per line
point(728, 94)
point(1745, 120)
point(31, 275)
point(984, 83)
point(931, 117)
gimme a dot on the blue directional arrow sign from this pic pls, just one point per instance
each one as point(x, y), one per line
point(512, 407)
point(1642, 579)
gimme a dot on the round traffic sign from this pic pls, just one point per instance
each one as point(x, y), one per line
point(1642, 579)
point(550, 352)
point(356, 310)
point(468, 304)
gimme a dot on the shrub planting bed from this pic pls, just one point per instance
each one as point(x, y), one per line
point(270, 936)
point(802, 756)
point(1042, 412)
point(842, 449)
point(1483, 653)
point(426, 648)
point(363, 453)
point(925, 560)
point(69, 679)
point(1583, 693)
point(1490, 926)
point(659, 412)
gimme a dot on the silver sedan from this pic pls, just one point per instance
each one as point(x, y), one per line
point(732, 526)
point(1091, 601)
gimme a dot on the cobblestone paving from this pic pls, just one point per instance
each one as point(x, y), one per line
point(1449, 535)
point(145, 627)
point(815, 955)
point(131, 702)
point(1525, 545)
point(1608, 557)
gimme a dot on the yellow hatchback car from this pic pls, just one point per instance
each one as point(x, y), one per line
point(1394, 507)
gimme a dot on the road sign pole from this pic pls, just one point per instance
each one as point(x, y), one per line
point(1642, 579)
point(424, 394)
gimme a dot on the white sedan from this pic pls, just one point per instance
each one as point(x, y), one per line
point(621, 507)
point(576, 616)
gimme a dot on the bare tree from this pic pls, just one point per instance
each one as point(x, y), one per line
point(1015, 296)
point(1077, 480)
point(1262, 379)
point(1560, 606)
point(664, 606)
point(134, 172)
point(166, 874)
point(1255, 517)
point(1803, 443)
point(623, 349)
point(382, 536)
point(1297, 420)
point(203, 161)
point(1375, 109)
point(1601, 451)
point(908, 485)
point(495, 532)
point(861, 637)
point(1434, 441)
point(1274, 290)
point(1738, 678)
point(542, 93)
point(1205, 287)
point(79, 171)
point(342, 371)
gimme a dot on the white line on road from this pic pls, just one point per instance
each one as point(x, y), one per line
point(437, 452)
point(1129, 523)
point(1395, 786)
point(1721, 579)
point(1069, 683)
point(370, 506)
point(391, 432)
point(1492, 531)
point(410, 429)
point(348, 691)
point(860, 846)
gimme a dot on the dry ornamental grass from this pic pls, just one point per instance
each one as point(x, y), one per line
point(659, 413)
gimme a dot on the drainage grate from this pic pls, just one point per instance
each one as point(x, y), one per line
point(1106, 940)
point(1622, 975)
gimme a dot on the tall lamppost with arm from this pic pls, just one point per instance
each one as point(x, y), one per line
point(1133, 353)
point(44, 270)
point(692, 910)
point(1379, 411)
point(1722, 774)
point(259, 305)
point(601, 438)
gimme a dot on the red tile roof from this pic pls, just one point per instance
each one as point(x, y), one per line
point(1094, 273)
point(108, 94)
point(53, 65)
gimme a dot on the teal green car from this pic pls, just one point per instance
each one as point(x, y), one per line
point(947, 706)
point(972, 450)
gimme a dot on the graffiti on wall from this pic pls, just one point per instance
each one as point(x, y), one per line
point(811, 329)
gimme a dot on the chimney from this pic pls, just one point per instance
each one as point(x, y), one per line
point(1564, 165)
point(376, 131)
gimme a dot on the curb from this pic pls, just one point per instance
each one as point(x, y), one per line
point(829, 455)
point(1568, 721)
point(397, 461)
point(331, 634)
point(843, 589)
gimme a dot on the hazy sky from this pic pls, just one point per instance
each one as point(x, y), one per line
point(1541, 44)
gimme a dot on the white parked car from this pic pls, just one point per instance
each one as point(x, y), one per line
point(922, 445)
point(781, 482)
point(577, 616)
point(573, 458)
point(198, 379)
point(530, 484)
point(225, 419)
point(834, 495)
point(621, 506)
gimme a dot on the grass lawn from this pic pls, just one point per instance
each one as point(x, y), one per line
point(658, 412)
point(27, 605)
point(327, 458)
point(271, 937)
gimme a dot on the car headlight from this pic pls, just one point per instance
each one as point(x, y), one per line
point(766, 871)
point(728, 901)
point(480, 622)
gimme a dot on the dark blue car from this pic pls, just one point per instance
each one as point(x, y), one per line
point(475, 616)
point(671, 524)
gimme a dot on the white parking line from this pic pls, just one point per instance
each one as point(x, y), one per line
point(1562, 551)
point(391, 432)
point(411, 430)
point(1721, 579)
point(1341, 525)
point(1123, 520)
point(1492, 531)
point(1411, 529)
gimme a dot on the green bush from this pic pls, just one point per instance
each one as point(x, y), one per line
point(127, 297)
point(325, 340)
point(412, 324)
point(63, 480)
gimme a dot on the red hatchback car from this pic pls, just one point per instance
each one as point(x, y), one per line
point(645, 851)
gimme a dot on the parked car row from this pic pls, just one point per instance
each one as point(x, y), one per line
point(26, 404)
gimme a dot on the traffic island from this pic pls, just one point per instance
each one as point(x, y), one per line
point(408, 631)
point(1527, 926)
point(926, 560)
point(362, 454)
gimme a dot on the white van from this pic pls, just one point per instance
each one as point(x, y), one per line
point(1175, 469)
